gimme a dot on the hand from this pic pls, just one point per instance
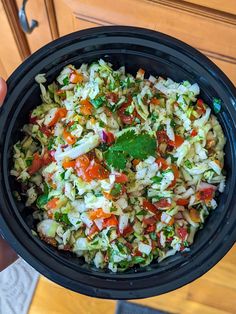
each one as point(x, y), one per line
point(7, 255)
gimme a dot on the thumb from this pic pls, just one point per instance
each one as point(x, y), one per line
point(3, 90)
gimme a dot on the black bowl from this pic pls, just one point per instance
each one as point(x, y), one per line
point(158, 54)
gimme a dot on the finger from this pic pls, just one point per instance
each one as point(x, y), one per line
point(7, 255)
point(3, 90)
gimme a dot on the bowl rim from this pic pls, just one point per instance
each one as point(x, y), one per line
point(34, 261)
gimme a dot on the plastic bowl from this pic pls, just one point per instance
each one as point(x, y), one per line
point(158, 54)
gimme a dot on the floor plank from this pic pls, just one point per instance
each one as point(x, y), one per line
point(213, 293)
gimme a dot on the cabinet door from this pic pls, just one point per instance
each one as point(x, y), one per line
point(10, 56)
point(208, 27)
point(41, 11)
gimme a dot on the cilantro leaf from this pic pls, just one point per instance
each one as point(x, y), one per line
point(66, 80)
point(98, 102)
point(116, 190)
point(42, 200)
point(115, 159)
point(138, 146)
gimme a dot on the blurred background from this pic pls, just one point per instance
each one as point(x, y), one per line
point(209, 26)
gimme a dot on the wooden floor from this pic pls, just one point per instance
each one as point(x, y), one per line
point(214, 293)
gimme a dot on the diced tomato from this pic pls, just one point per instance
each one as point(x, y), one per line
point(193, 133)
point(200, 107)
point(162, 137)
point(82, 162)
point(94, 229)
point(177, 142)
point(69, 138)
point(97, 214)
point(96, 171)
point(176, 175)
point(151, 228)
point(183, 233)
point(207, 194)
point(108, 196)
point(110, 222)
point(86, 108)
point(155, 101)
point(149, 206)
point(127, 230)
point(162, 163)
point(36, 164)
point(45, 131)
point(47, 158)
point(68, 164)
point(137, 253)
point(163, 203)
point(150, 221)
point(182, 202)
point(60, 113)
point(52, 204)
point(113, 97)
point(108, 137)
point(194, 215)
point(126, 118)
point(121, 178)
point(76, 77)
point(52, 154)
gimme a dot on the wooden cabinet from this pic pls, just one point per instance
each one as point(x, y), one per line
point(208, 25)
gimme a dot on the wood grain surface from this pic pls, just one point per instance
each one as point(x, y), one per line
point(213, 293)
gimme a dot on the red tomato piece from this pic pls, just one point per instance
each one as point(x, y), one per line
point(110, 222)
point(207, 194)
point(150, 221)
point(68, 164)
point(162, 137)
point(125, 118)
point(86, 108)
point(97, 214)
point(60, 113)
point(200, 107)
point(163, 203)
point(45, 131)
point(182, 202)
point(108, 137)
point(162, 163)
point(36, 164)
point(47, 158)
point(149, 206)
point(76, 77)
point(127, 230)
point(121, 178)
point(69, 138)
point(183, 233)
point(52, 204)
point(96, 171)
point(193, 133)
point(151, 228)
point(112, 97)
